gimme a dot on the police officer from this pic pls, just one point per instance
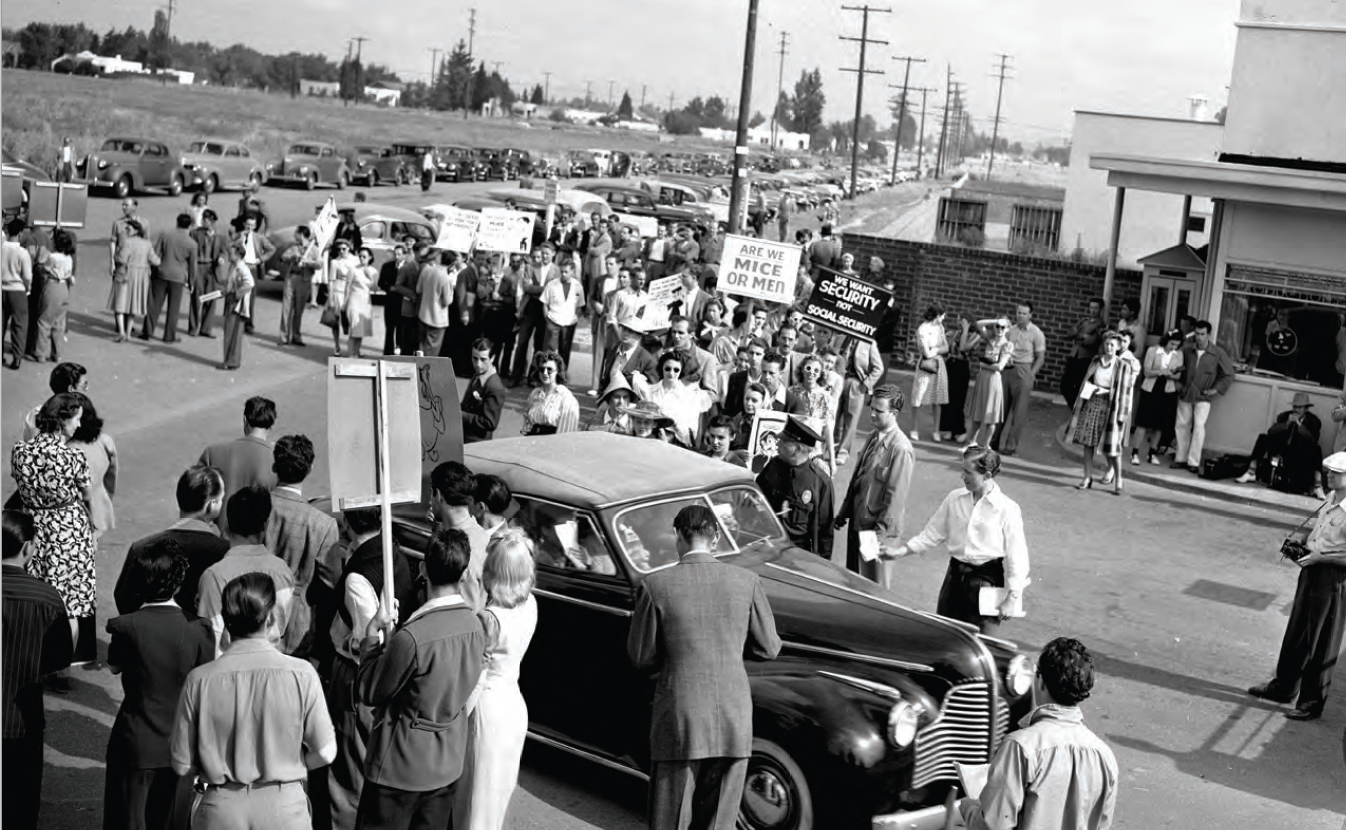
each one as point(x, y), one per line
point(799, 490)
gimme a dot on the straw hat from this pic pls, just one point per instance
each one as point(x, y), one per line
point(618, 384)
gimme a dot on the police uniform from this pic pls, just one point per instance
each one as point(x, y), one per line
point(802, 495)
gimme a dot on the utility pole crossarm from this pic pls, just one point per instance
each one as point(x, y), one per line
point(864, 40)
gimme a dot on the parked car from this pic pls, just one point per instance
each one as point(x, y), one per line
point(381, 227)
point(866, 710)
point(309, 163)
point(213, 163)
point(128, 165)
point(582, 202)
point(498, 165)
point(410, 153)
point(371, 165)
point(581, 164)
point(18, 176)
point(460, 164)
point(522, 160)
point(633, 200)
point(674, 193)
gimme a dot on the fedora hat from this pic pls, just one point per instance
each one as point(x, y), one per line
point(1301, 399)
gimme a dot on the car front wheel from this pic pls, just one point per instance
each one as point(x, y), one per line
point(124, 186)
point(255, 179)
point(310, 181)
point(175, 186)
point(373, 178)
point(211, 184)
point(776, 795)
point(343, 180)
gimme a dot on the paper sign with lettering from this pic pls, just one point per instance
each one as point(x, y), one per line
point(508, 231)
point(457, 228)
point(847, 304)
point(759, 269)
point(646, 226)
point(324, 225)
point(663, 292)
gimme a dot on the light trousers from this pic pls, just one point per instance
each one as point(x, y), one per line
point(1190, 431)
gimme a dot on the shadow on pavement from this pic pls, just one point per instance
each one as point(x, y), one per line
point(587, 791)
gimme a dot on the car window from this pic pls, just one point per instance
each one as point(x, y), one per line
point(563, 538)
point(373, 230)
point(645, 533)
point(746, 516)
point(302, 150)
point(233, 152)
point(421, 232)
point(327, 152)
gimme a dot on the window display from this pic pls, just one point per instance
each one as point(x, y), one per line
point(1285, 324)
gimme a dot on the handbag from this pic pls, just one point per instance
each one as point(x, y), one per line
point(329, 317)
point(929, 364)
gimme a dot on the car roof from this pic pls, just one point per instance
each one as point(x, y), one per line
point(599, 469)
point(373, 210)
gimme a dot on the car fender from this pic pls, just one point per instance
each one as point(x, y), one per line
point(830, 713)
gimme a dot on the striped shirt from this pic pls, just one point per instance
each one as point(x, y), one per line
point(35, 639)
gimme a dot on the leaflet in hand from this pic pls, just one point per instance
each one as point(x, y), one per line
point(972, 777)
point(869, 545)
point(212, 295)
point(989, 600)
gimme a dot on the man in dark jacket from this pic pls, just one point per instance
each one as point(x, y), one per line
point(177, 252)
point(799, 490)
point(419, 685)
point(701, 726)
point(485, 396)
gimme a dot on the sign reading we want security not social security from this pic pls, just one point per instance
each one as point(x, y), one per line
point(759, 269)
point(847, 304)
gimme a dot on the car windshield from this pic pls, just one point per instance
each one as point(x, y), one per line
point(368, 151)
point(303, 150)
point(121, 145)
point(645, 533)
point(210, 147)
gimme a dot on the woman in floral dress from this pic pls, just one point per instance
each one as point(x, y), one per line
point(986, 407)
point(819, 404)
point(930, 386)
point(54, 484)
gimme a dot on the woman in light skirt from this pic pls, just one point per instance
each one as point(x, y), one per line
point(930, 387)
point(986, 406)
point(130, 296)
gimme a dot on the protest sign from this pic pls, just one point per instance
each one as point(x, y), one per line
point(847, 304)
point(759, 269)
point(324, 225)
point(767, 425)
point(508, 231)
point(646, 226)
point(663, 292)
point(457, 228)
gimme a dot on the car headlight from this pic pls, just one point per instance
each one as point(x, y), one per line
point(102, 164)
point(270, 165)
point(903, 719)
point(1019, 675)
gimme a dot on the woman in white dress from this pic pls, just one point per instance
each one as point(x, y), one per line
point(683, 402)
point(500, 719)
point(359, 305)
point(930, 387)
point(341, 272)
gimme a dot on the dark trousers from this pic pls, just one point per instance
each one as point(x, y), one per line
point(352, 722)
point(697, 795)
point(532, 326)
point(50, 323)
point(1018, 380)
point(951, 415)
point(848, 413)
point(409, 334)
point(386, 808)
point(960, 595)
point(145, 799)
point(1313, 635)
point(497, 325)
point(293, 298)
point(16, 323)
point(34, 308)
point(1301, 458)
point(392, 322)
point(1072, 378)
point(876, 571)
point(21, 773)
point(560, 338)
point(161, 290)
point(199, 314)
point(233, 333)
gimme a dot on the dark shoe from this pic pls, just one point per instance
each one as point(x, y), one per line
point(1008, 453)
point(1311, 713)
point(1178, 465)
point(1268, 691)
point(208, 335)
point(33, 358)
point(58, 683)
point(295, 341)
point(1192, 468)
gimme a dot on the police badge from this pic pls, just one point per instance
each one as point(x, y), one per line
point(806, 496)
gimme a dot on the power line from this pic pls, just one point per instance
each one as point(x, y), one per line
point(995, 127)
point(901, 113)
point(780, 86)
point(860, 73)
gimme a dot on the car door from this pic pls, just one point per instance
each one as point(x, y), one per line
point(154, 164)
point(328, 164)
point(234, 166)
point(580, 687)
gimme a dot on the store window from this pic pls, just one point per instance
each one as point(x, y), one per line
point(1035, 227)
point(1285, 324)
point(962, 221)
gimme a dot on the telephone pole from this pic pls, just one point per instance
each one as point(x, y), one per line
point(495, 66)
point(944, 126)
point(546, 89)
point(471, 30)
point(864, 40)
point(780, 86)
point(920, 140)
point(588, 85)
point(738, 198)
point(611, 84)
point(434, 64)
point(1003, 71)
point(670, 102)
point(643, 87)
point(959, 108)
point(901, 113)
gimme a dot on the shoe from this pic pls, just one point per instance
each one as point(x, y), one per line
point(914, 436)
point(960, 438)
point(937, 438)
point(1107, 479)
point(1246, 478)
point(1267, 691)
point(1135, 459)
point(1178, 465)
point(1154, 459)
point(1311, 713)
point(1117, 490)
point(58, 683)
point(1088, 483)
point(1192, 468)
point(294, 342)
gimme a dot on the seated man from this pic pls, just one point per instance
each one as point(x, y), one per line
point(1287, 456)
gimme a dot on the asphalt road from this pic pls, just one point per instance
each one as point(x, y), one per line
point(1181, 597)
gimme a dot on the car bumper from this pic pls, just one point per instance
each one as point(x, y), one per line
point(288, 178)
point(928, 818)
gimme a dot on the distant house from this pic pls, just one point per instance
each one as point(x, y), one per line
point(321, 89)
point(761, 137)
point(387, 93)
point(70, 63)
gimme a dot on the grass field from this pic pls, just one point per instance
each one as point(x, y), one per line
point(41, 107)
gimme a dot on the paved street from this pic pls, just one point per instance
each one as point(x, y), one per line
point(1180, 595)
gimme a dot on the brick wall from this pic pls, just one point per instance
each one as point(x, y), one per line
point(989, 284)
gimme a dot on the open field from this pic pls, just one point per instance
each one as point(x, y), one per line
point(41, 107)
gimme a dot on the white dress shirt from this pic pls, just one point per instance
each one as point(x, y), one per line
point(978, 531)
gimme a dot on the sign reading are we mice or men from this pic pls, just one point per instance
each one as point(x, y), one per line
point(759, 269)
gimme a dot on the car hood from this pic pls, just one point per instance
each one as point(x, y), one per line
point(201, 158)
point(823, 608)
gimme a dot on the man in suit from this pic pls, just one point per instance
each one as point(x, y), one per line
point(629, 357)
point(693, 298)
point(864, 368)
point(257, 249)
point(824, 252)
point(698, 365)
point(491, 302)
point(200, 496)
point(212, 257)
point(876, 499)
point(246, 460)
point(739, 381)
point(34, 642)
point(177, 252)
point(532, 319)
point(701, 724)
point(298, 533)
point(485, 396)
point(419, 684)
point(1207, 373)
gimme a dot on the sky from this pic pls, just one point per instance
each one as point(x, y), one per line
point(1143, 57)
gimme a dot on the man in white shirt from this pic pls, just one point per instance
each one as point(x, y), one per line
point(434, 291)
point(983, 531)
point(17, 273)
point(1030, 352)
point(562, 301)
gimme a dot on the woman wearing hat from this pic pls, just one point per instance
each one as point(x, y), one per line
point(1313, 633)
point(610, 416)
point(986, 408)
point(648, 420)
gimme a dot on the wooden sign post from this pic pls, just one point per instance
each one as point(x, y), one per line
point(374, 442)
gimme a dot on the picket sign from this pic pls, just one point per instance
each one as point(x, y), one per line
point(759, 269)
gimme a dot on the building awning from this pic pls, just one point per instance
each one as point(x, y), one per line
point(1219, 180)
point(1181, 256)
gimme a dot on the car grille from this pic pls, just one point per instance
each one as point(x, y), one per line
point(959, 735)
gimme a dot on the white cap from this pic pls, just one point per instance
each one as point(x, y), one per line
point(1336, 462)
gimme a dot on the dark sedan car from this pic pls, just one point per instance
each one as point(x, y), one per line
point(581, 164)
point(370, 165)
point(864, 713)
point(460, 164)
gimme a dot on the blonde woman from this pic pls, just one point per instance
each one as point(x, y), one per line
point(986, 408)
point(500, 719)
